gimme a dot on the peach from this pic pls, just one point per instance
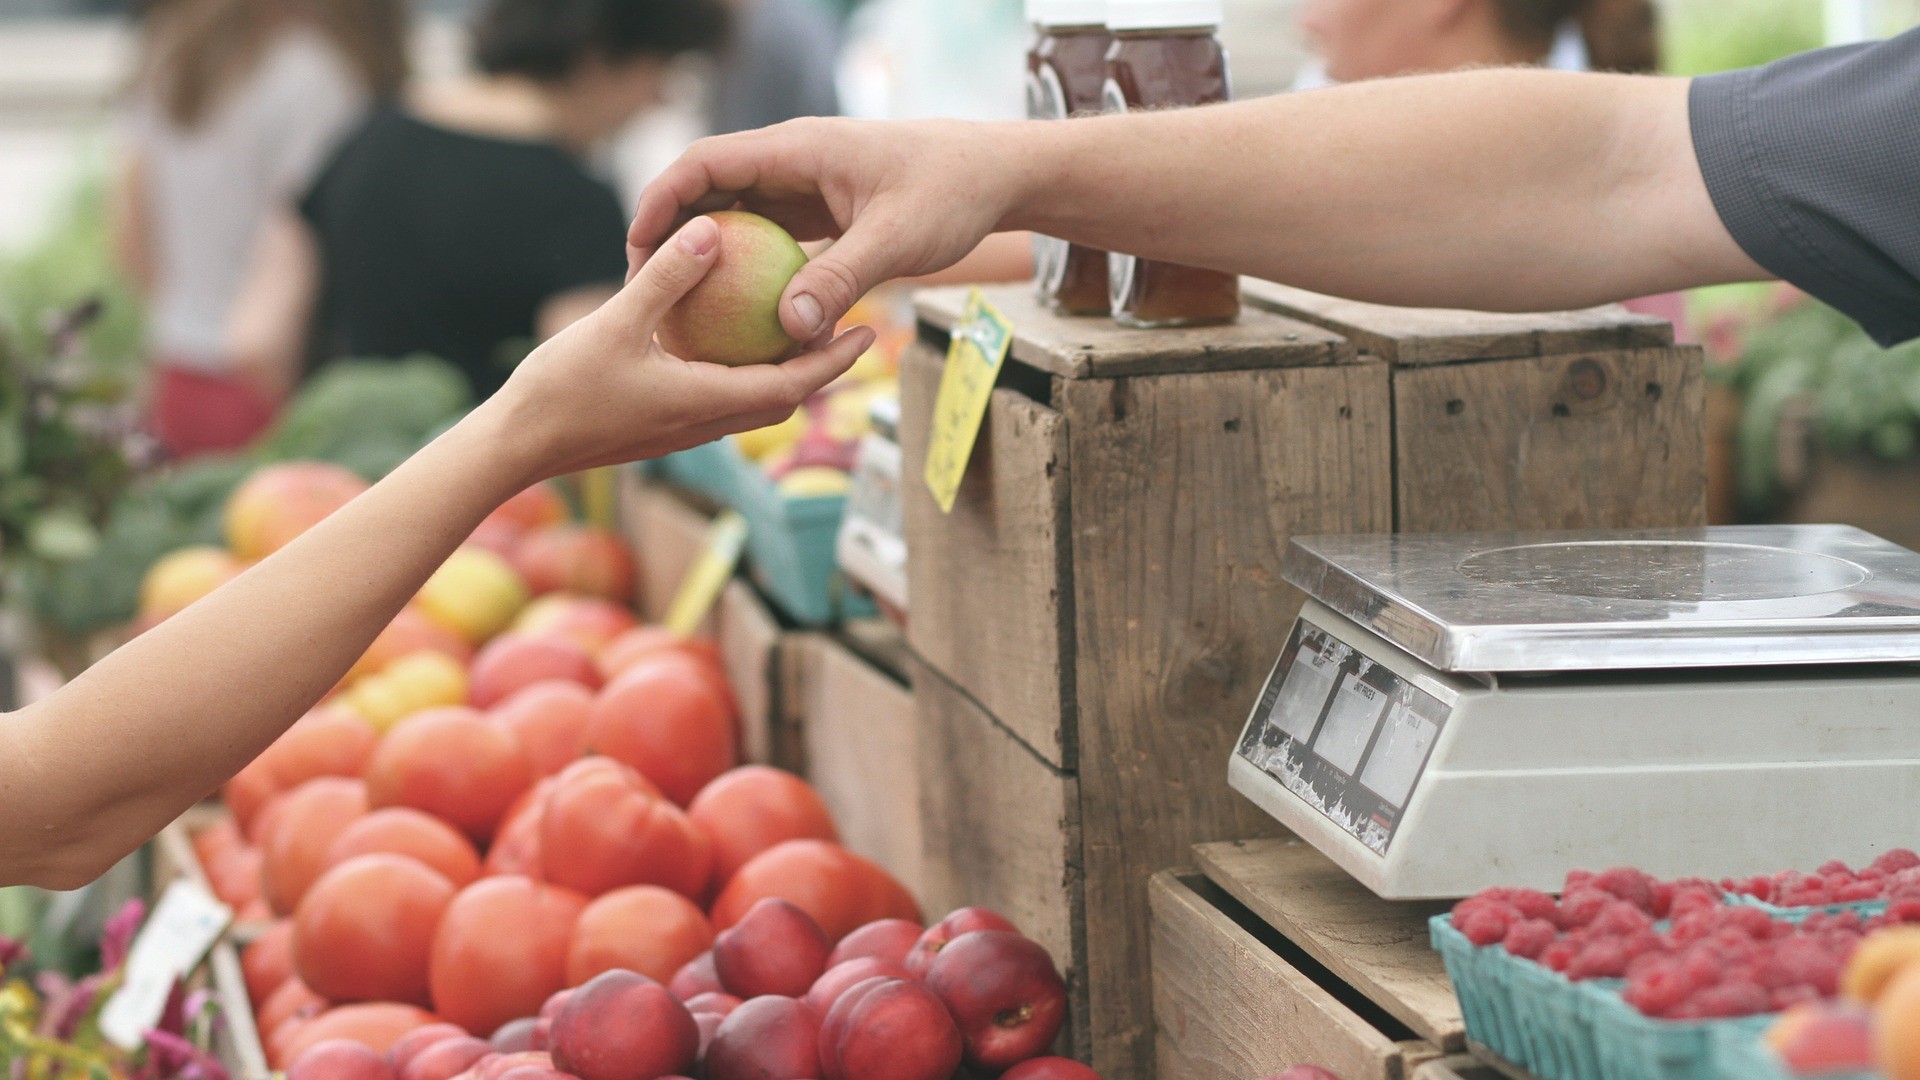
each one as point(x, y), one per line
point(767, 1038)
point(886, 939)
point(446, 1059)
point(181, 578)
point(1005, 994)
point(775, 948)
point(1831, 1040)
point(713, 1001)
point(538, 505)
point(495, 1068)
point(963, 921)
point(845, 976)
point(403, 1050)
point(889, 1029)
point(1059, 1068)
point(298, 834)
point(1896, 1026)
point(475, 594)
point(1879, 958)
point(512, 662)
point(279, 502)
point(697, 977)
point(623, 1026)
point(575, 559)
point(340, 1059)
point(732, 316)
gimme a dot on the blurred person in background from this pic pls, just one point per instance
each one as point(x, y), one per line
point(234, 106)
point(463, 223)
point(778, 66)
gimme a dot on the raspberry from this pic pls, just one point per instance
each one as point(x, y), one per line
point(1529, 939)
point(1729, 1000)
point(1533, 904)
point(1628, 884)
point(1897, 860)
point(1620, 919)
point(1643, 943)
point(1659, 989)
point(1559, 955)
point(1484, 926)
point(1692, 899)
point(1836, 882)
point(1801, 962)
point(1576, 880)
point(1600, 960)
point(1859, 890)
point(1901, 912)
point(1582, 907)
point(1752, 922)
point(1832, 867)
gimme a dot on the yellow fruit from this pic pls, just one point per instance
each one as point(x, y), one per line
point(873, 366)
point(422, 680)
point(474, 594)
point(848, 414)
point(759, 443)
point(1878, 959)
point(1896, 1026)
point(814, 481)
point(179, 579)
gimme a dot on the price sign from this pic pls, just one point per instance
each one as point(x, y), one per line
point(979, 347)
point(178, 934)
point(708, 575)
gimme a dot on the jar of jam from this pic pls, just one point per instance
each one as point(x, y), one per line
point(1066, 76)
point(1165, 54)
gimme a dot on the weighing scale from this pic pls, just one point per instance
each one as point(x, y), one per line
point(1453, 712)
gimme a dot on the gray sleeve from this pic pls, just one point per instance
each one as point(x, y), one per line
point(1813, 163)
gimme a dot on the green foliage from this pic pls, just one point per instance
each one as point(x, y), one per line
point(1700, 37)
point(71, 264)
point(368, 415)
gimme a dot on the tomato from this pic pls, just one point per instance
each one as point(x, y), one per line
point(662, 718)
point(376, 1026)
point(364, 930)
point(292, 1001)
point(575, 559)
point(642, 928)
point(409, 632)
point(642, 642)
point(601, 829)
point(236, 876)
point(217, 839)
point(325, 742)
point(516, 850)
point(501, 950)
point(249, 792)
point(747, 810)
point(533, 508)
point(401, 830)
point(267, 961)
point(450, 762)
point(550, 720)
point(303, 826)
point(512, 662)
point(841, 890)
point(591, 621)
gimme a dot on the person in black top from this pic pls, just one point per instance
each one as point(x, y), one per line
point(462, 224)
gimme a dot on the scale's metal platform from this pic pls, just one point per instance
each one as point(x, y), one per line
point(1454, 712)
point(1593, 601)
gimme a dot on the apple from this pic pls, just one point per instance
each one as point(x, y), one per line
point(775, 948)
point(1050, 1068)
point(340, 1059)
point(767, 1038)
point(889, 1029)
point(884, 939)
point(732, 316)
point(843, 977)
point(965, 920)
point(1005, 994)
point(720, 1004)
point(404, 1048)
point(696, 977)
point(624, 1026)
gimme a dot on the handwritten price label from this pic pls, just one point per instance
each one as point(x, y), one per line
point(979, 347)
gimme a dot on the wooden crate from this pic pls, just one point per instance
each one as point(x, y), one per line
point(1269, 956)
point(854, 726)
point(1105, 598)
point(237, 1043)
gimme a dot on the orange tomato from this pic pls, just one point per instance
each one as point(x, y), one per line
point(302, 829)
point(516, 849)
point(325, 742)
point(292, 1001)
point(550, 720)
point(747, 810)
point(643, 642)
point(401, 830)
point(591, 621)
point(236, 876)
point(841, 890)
point(601, 829)
point(218, 839)
point(512, 662)
point(267, 961)
point(576, 559)
point(662, 718)
point(533, 508)
point(501, 950)
point(363, 932)
point(250, 790)
point(376, 1026)
point(641, 928)
point(452, 763)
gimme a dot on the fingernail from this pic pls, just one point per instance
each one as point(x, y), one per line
point(864, 337)
point(808, 309)
point(699, 236)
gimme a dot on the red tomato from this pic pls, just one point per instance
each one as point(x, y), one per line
point(642, 642)
point(451, 763)
point(517, 849)
point(641, 928)
point(501, 950)
point(662, 718)
point(575, 559)
point(325, 742)
point(292, 1001)
point(550, 720)
point(747, 810)
point(512, 662)
point(301, 830)
point(237, 876)
point(376, 1026)
point(402, 830)
point(533, 508)
point(602, 828)
point(249, 792)
point(364, 930)
point(267, 961)
point(841, 890)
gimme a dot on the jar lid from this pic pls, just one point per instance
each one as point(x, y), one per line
point(1155, 14)
point(1067, 12)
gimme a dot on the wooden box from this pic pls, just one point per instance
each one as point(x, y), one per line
point(237, 1043)
point(1105, 598)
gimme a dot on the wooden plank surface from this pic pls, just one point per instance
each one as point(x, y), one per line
point(1186, 489)
point(1594, 440)
point(1229, 1007)
point(862, 756)
point(749, 639)
point(1459, 1067)
point(1379, 947)
point(1413, 336)
point(1098, 348)
point(990, 610)
point(1000, 830)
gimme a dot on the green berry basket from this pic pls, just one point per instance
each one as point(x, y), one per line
point(1634, 1046)
point(1866, 909)
point(1529, 1014)
point(1744, 1054)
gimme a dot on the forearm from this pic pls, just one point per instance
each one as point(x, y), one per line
point(104, 763)
point(1510, 189)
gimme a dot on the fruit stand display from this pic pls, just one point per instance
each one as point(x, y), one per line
point(1089, 621)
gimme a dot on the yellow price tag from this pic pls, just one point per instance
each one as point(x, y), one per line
point(708, 575)
point(979, 347)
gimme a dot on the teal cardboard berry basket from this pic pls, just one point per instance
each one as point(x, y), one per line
point(1866, 909)
point(1527, 1013)
point(1634, 1046)
point(1742, 1053)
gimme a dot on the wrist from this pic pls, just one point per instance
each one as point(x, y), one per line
point(1035, 157)
point(503, 444)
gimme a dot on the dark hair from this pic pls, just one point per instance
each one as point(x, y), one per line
point(1622, 35)
point(548, 39)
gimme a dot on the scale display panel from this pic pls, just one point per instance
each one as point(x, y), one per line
point(1345, 734)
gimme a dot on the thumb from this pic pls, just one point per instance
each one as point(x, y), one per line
point(674, 267)
point(827, 287)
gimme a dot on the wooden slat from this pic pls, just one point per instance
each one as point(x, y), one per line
point(861, 756)
point(1230, 1008)
point(1414, 336)
point(986, 580)
point(1459, 1067)
point(1186, 489)
point(1379, 947)
point(1098, 348)
point(749, 640)
point(1000, 829)
point(1594, 440)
